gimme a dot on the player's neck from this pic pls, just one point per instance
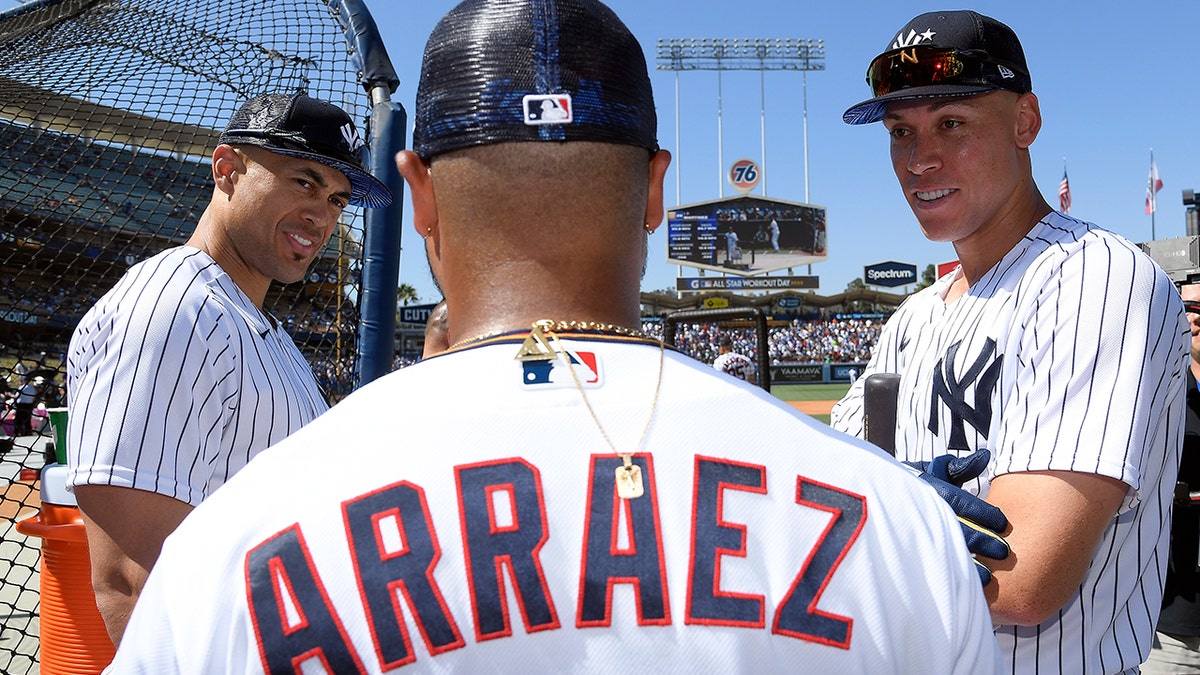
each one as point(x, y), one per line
point(512, 296)
point(207, 237)
point(980, 252)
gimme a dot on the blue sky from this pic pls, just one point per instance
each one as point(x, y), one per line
point(1115, 79)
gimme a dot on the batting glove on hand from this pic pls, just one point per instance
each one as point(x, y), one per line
point(981, 522)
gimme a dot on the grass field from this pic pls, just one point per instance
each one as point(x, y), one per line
point(810, 392)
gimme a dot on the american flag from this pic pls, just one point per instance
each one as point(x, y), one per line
point(1152, 187)
point(1064, 194)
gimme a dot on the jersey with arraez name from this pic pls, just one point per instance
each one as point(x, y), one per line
point(460, 515)
point(1068, 355)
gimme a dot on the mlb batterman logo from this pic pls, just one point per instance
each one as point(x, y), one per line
point(553, 373)
point(548, 109)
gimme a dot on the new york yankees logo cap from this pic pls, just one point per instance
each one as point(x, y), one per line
point(498, 71)
point(299, 125)
point(937, 54)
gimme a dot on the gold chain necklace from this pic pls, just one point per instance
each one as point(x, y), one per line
point(560, 327)
point(537, 347)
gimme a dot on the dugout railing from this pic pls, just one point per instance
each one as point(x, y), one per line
point(109, 111)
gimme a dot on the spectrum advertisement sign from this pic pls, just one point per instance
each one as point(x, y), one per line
point(890, 274)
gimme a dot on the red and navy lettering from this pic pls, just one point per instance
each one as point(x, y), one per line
point(395, 548)
point(293, 619)
point(606, 562)
point(713, 538)
point(798, 615)
point(494, 541)
point(395, 553)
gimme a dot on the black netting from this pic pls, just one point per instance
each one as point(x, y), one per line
point(109, 111)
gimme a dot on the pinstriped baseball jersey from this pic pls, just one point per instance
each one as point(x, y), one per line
point(175, 380)
point(1068, 355)
point(489, 538)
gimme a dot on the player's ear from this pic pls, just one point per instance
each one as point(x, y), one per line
point(227, 163)
point(420, 189)
point(1029, 119)
point(659, 162)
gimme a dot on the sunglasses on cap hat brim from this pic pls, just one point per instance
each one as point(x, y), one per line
point(913, 67)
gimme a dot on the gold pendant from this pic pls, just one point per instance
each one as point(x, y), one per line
point(629, 480)
point(536, 347)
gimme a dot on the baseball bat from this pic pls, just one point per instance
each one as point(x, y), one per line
point(881, 392)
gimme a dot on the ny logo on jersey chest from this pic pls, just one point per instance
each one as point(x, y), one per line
point(952, 390)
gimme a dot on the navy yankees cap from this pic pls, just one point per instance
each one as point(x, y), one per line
point(497, 71)
point(301, 126)
point(953, 53)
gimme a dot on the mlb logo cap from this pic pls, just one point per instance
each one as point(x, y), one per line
point(498, 71)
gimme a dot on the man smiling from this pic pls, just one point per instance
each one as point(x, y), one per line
point(177, 377)
point(1057, 346)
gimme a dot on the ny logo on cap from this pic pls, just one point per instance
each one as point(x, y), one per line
point(548, 109)
point(350, 134)
point(913, 38)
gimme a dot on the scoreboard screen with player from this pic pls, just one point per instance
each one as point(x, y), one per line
point(746, 235)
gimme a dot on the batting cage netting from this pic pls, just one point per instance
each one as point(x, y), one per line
point(109, 112)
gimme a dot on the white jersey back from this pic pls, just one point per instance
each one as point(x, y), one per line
point(175, 380)
point(737, 365)
point(1068, 355)
point(414, 525)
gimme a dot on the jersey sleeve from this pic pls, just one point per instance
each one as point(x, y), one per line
point(151, 372)
point(1102, 348)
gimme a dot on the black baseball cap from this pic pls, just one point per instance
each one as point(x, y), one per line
point(937, 54)
point(496, 71)
point(298, 125)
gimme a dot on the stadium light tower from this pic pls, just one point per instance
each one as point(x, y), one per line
point(721, 54)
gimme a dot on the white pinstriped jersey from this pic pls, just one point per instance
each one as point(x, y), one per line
point(486, 536)
point(1068, 355)
point(175, 380)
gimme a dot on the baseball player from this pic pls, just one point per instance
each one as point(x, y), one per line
point(176, 376)
point(582, 513)
point(733, 363)
point(1056, 345)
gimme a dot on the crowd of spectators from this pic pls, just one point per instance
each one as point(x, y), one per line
point(321, 319)
point(800, 341)
point(54, 306)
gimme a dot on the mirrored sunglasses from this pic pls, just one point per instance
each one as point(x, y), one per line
point(924, 66)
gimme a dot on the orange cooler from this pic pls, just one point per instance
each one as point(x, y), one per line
point(73, 637)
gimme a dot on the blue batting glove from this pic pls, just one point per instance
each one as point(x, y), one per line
point(981, 522)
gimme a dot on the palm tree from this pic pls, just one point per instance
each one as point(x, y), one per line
point(928, 277)
point(405, 294)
